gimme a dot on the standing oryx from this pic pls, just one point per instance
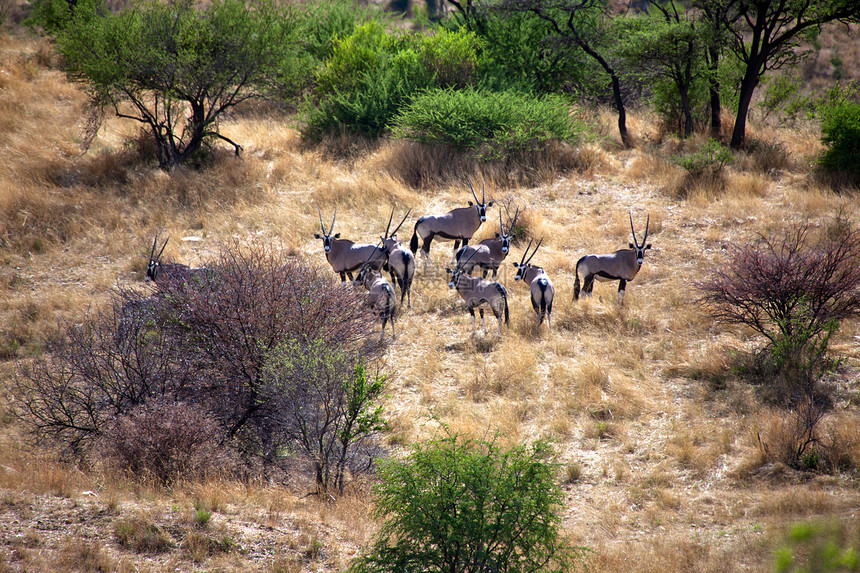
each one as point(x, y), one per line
point(476, 292)
point(380, 295)
point(458, 224)
point(166, 273)
point(621, 266)
point(400, 261)
point(542, 291)
point(489, 253)
point(343, 255)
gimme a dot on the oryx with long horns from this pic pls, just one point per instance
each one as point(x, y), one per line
point(489, 253)
point(456, 225)
point(380, 294)
point(167, 273)
point(621, 266)
point(540, 287)
point(345, 256)
point(400, 261)
point(477, 292)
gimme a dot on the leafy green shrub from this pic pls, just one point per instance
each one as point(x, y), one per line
point(372, 74)
point(488, 125)
point(322, 23)
point(840, 133)
point(709, 159)
point(819, 547)
point(462, 505)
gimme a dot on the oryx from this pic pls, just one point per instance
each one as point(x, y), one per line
point(540, 287)
point(457, 225)
point(345, 256)
point(166, 273)
point(489, 253)
point(477, 292)
point(400, 261)
point(380, 295)
point(621, 266)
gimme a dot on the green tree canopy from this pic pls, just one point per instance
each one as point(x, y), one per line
point(458, 505)
point(176, 67)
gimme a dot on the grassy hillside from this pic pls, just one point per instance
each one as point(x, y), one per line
point(660, 445)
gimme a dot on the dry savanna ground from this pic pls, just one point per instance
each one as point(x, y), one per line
point(659, 446)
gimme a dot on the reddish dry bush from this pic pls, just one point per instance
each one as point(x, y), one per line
point(167, 441)
point(794, 291)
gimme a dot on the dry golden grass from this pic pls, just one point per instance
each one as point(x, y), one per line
point(660, 467)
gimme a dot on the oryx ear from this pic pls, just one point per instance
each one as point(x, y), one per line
point(498, 236)
point(516, 265)
point(648, 246)
point(317, 236)
point(490, 204)
point(471, 204)
point(631, 245)
point(337, 236)
point(450, 272)
point(394, 236)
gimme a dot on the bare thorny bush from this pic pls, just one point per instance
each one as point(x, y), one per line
point(793, 288)
point(206, 358)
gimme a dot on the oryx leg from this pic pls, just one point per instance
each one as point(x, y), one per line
point(483, 324)
point(622, 284)
point(343, 277)
point(589, 284)
point(472, 312)
point(549, 315)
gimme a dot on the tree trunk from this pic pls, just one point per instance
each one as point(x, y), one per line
point(688, 113)
point(748, 85)
point(714, 89)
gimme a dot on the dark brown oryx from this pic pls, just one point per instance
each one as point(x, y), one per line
point(489, 253)
point(621, 266)
point(400, 261)
point(166, 273)
point(540, 287)
point(345, 256)
point(380, 295)
point(457, 225)
point(476, 292)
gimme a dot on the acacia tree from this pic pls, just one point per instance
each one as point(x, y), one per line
point(584, 24)
point(764, 35)
point(665, 47)
point(176, 67)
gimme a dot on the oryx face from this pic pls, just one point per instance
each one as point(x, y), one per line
point(521, 271)
point(481, 205)
point(152, 270)
point(455, 277)
point(327, 240)
point(635, 245)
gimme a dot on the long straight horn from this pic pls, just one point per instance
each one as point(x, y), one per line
point(397, 228)
point(154, 244)
point(501, 224)
point(333, 217)
point(525, 253)
point(647, 221)
point(514, 222)
point(322, 225)
point(635, 242)
point(472, 189)
point(534, 252)
point(158, 257)
point(483, 196)
point(385, 234)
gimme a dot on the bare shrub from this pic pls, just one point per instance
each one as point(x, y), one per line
point(156, 381)
point(793, 289)
point(166, 440)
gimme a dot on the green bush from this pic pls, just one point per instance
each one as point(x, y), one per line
point(488, 125)
point(322, 23)
point(462, 505)
point(372, 74)
point(709, 159)
point(840, 133)
point(819, 547)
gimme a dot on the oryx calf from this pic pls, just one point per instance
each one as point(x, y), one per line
point(163, 274)
point(345, 256)
point(542, 291)
point(400, 261)
point(457, 225)
point(380, 297)
point(489, 253)
point(477, 292)
point(621, 266)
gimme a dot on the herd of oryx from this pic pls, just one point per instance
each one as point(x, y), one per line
point(459, 225)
